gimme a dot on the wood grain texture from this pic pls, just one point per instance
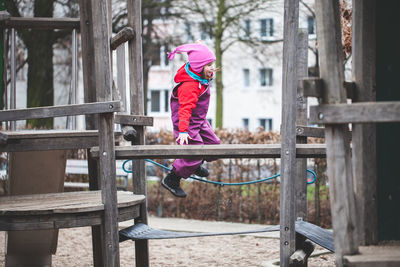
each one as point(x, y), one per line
point(341, 190)
point(134, 120)
point(60, 111)
point(121, 37)
point(220, 151)
point(42, 23)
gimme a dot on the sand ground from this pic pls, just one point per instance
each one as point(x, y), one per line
point(75, 247)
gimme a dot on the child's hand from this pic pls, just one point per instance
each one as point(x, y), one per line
point(183, 138)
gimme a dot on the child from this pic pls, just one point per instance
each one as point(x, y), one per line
point(189, 106)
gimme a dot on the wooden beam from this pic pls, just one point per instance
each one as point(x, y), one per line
point(134, 120)
point(341, 190)
point(134, 8)
point(107, 170)
point(364, 135)
point(313, 87)
point(36, 23)
point(308, 131)
point(219, 151)
point(121, 37)
point(288, 132)
point(363, 112)
point(59, 111)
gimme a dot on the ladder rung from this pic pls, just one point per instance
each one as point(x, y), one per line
point(59, 111)
point(219, 151)
point(42, 23)
point(362, 112)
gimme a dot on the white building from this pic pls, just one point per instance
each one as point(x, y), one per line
point(251, 77)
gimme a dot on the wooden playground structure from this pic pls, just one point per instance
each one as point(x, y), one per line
point(352, 169)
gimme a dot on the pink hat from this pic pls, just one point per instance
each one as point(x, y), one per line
point(199, 55)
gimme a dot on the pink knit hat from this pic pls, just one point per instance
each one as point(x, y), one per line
point(199, 55)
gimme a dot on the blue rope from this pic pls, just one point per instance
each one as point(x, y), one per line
point(221, 183)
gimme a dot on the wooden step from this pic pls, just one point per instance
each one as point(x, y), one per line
point(62, 210)
point(30, 140)
point(371, 256)
point(219, 151)
point(362, 112)
point(59, 111)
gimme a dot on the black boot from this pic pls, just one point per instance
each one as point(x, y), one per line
point(202, 172)
point(171, 182)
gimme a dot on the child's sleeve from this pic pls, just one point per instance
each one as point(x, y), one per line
point(188, 95)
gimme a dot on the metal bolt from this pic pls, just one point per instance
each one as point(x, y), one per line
point(111, 106)
point(286, 228)
point(87, 22)
point(287, 152)
point(104, 154)
point(286, 243)
point(320, 116)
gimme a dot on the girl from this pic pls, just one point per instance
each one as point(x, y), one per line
point(189, 105)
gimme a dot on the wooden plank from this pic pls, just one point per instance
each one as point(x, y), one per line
point(364, 135)
point(313, 87)
point(380, 255)
point(36, 23)
point(59, 111)
point(103, 76)
point(89, 83)
point(365, 112)
point(341, 189)
point(134, 8)
point(121, 77)
point(308, 131)
point(121, 37)
point(220, 151)
point(133, 120)
point(300, 182)
point(288, 132)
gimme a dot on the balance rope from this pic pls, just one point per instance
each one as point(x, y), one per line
point(220, 183)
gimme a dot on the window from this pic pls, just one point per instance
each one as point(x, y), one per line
point(155, 56)
point(266, 124)
point(266, 77)
point(155, 101)
point(311, 25)
point(205, 31)
point(267, 28)
point(166, 101)
point(246, 77)
point(247, 28)
point(188, 32)
point(245, 123)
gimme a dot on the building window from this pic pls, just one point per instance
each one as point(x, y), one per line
point(267, 28)
point(245, 123)
point(247, 28)
point(188, 32)
point(166, 101)
point(266, 77)
point(155, 56)
point(205, 31)
point(246, 77)
point(266, 124)
point(155, 101)
point(311, 25)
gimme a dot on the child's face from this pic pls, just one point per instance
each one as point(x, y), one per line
point(208, 70)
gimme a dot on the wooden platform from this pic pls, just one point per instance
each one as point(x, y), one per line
point(50, 139)
point(62, 210)
point(371, 256)
point(219, 151)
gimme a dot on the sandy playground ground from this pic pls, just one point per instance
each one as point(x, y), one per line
point(75, 249)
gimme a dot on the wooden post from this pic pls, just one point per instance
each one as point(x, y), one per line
point(364, 135)
point(337, 135)
point(288, 131)
point(137, 108)
point(300, 182)
point(89, 83)
point(107, 169)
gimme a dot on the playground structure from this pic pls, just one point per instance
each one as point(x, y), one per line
point(352, 172)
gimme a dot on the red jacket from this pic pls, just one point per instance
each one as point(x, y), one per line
point(188, 95)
